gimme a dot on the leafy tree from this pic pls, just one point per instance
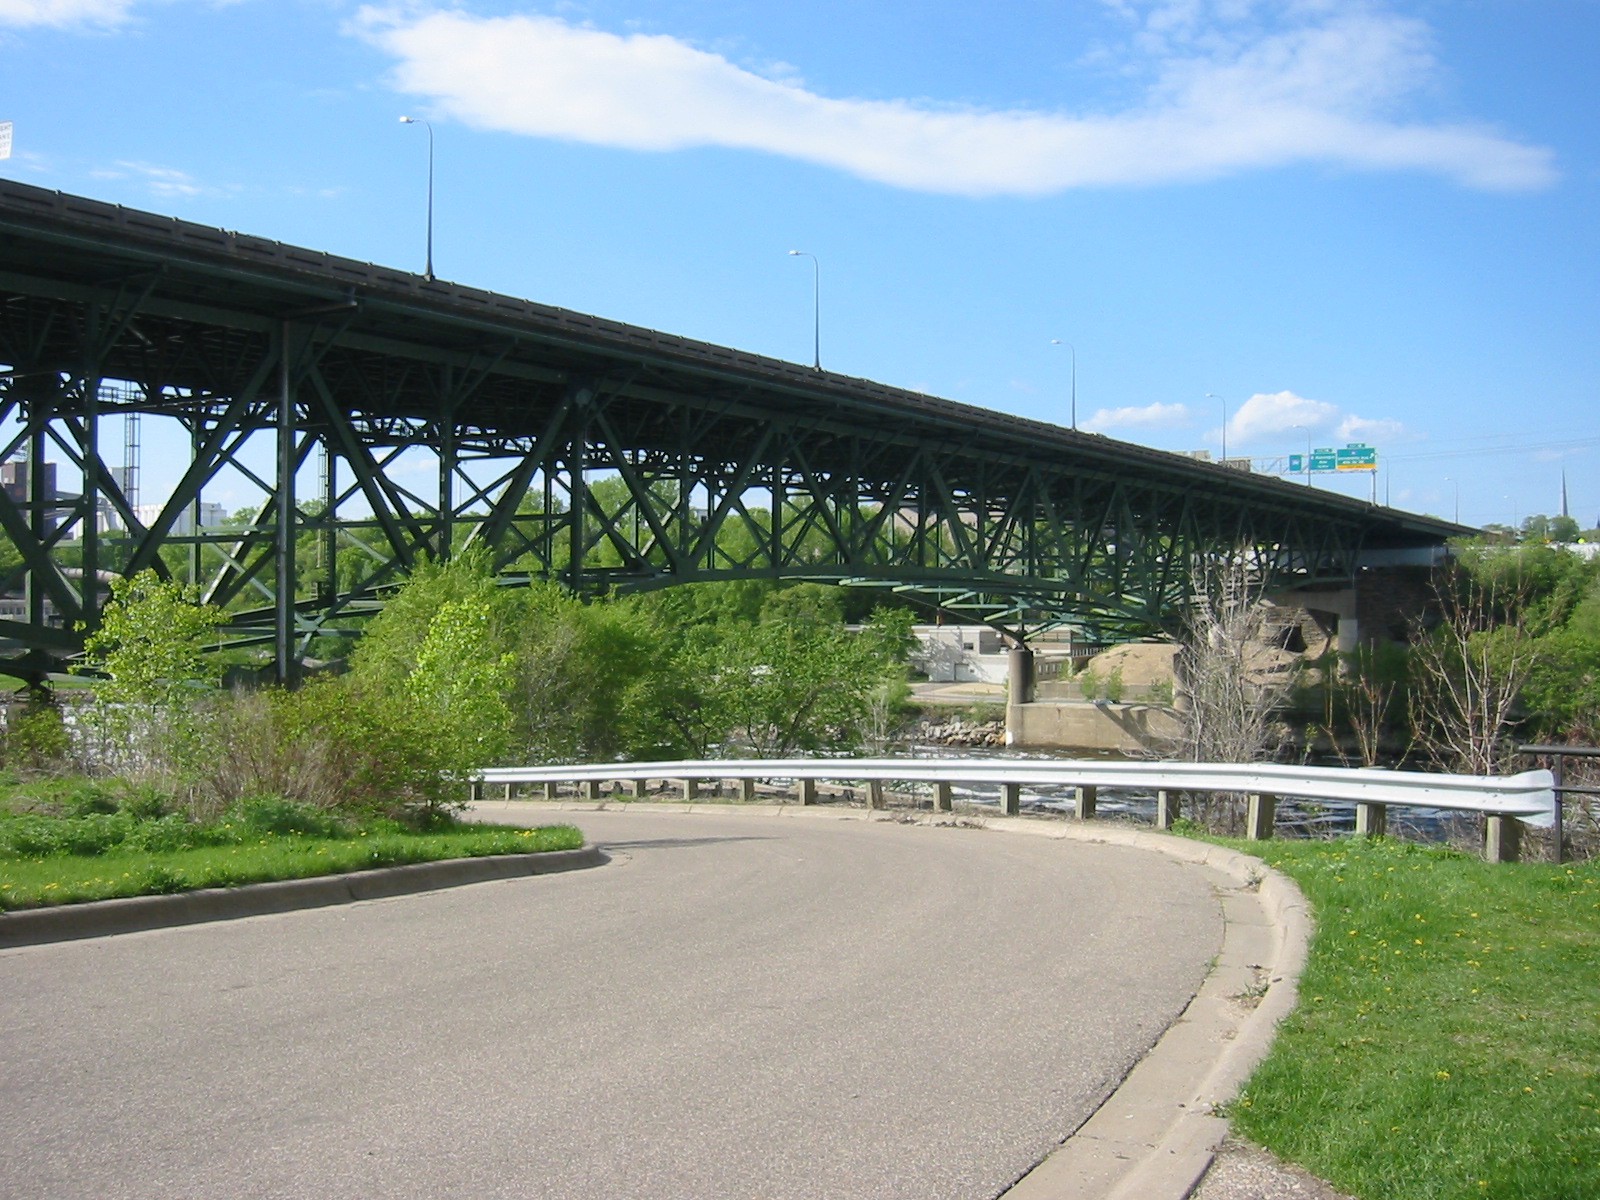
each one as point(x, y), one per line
point(150, 651)
point(459, 686)
point(151, 644)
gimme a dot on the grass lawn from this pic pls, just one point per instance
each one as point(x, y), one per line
point(82, 841)
point(1447, 1041)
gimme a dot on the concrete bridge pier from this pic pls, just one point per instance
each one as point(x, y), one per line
point(1019, 690)
point(1019, 683)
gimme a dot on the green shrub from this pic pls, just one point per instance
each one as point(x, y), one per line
point(79, 796)
point(378, 755)
point(1114, 685)
point(273, 814)
point(37, 739)
point(1089, 685)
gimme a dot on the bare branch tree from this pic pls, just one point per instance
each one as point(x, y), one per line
point(1469, 670)
point(1231, 680)
point(1368, 694)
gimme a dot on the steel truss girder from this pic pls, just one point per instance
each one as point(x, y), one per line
point(704, 483)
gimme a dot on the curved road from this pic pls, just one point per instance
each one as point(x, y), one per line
point(734, 1007)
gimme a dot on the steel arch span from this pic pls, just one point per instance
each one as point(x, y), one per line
point(383, 418)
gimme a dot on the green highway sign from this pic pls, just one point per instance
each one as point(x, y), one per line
point(1355, 457)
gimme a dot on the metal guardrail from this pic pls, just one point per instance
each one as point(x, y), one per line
point(1504, 800)
point(1559, 756)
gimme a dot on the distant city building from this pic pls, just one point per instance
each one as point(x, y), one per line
point(960, 654)
point(16, 482)
point(211, 516)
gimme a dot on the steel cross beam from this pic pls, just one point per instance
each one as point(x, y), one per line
point(381, 419)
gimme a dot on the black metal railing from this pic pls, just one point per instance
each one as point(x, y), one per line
point(1558, 756)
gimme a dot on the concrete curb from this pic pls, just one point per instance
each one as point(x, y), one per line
point(1155, 1136)
point(100, 918)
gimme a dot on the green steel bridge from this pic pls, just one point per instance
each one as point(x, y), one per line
point(383, 418)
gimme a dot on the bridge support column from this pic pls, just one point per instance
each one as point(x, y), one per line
point(1259, 816)
point(1011, 799)
point(808, 791)
point(1083, 802)
point(283, 653)
point(941, 797)
point(1167, 808)
point(1019, 676)
point(1502, 839)
point(1372, 820)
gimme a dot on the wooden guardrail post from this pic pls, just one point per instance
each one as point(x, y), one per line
point(1372, 820)
point(942, 797)
point(641, 788)
point(1011, 799)
point(551, 789)
point(691, 789)
point(1259, 815)
point(1502, 839)
point(1167, 808)
point(747, 790)
point(874, 793)
point(1083, 801)
point(808, 791)
point(591, 789)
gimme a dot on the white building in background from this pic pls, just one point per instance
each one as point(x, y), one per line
point(960, 654)
point(211, 515)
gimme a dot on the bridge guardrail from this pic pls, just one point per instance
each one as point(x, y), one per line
point(1507, 802)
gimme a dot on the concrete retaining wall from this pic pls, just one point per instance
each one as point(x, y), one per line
point(1126, 728)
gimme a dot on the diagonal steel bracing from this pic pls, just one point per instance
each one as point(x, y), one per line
point(374, 420)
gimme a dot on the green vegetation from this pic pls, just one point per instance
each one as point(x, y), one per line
point(64, 841)
point(170, 781)
point(1447, 1040)
point(690, 672)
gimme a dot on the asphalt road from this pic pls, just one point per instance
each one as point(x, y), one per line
point(734, 1007)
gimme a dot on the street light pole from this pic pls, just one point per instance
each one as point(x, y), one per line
point(816, 306)
point(1455, 483)
point(1074, 349)
point(1214, 396)
point(428, 272)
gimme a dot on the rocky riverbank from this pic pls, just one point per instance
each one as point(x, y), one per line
point(960, 731)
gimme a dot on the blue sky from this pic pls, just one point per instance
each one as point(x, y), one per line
point(1352, 221)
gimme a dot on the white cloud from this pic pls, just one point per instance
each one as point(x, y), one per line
point(1125, 418)
point(1272, 415)
point(1370, 429)
point(64, 14)
point(1226, 91)
point(166, 182)
point(1279, 412)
